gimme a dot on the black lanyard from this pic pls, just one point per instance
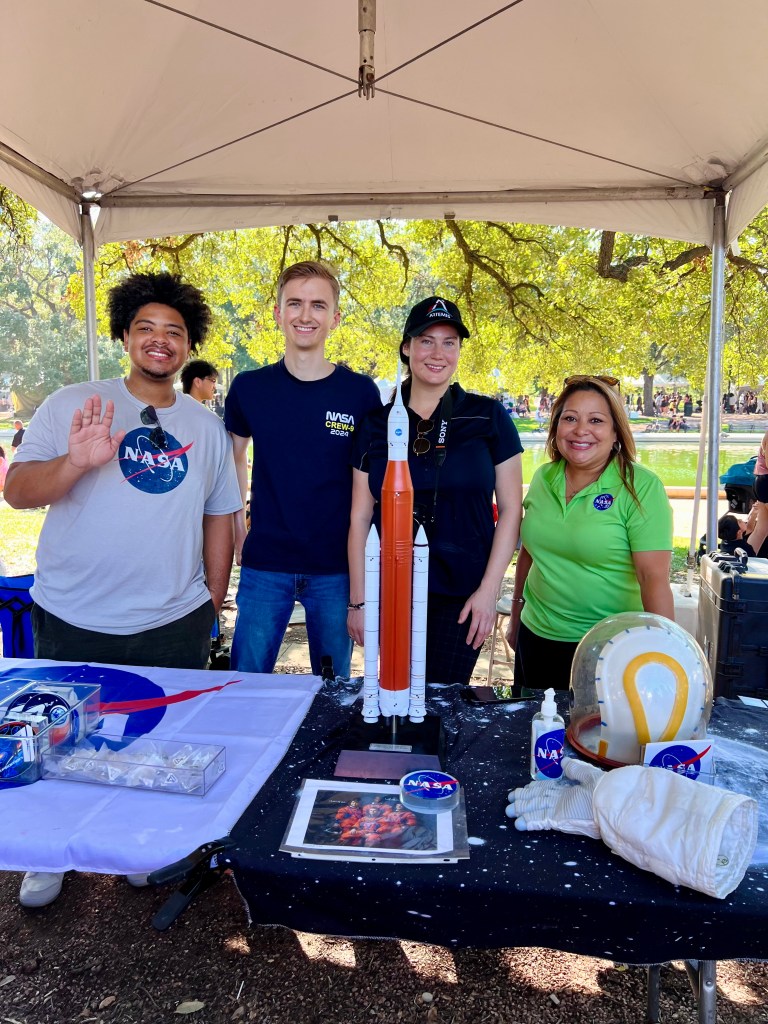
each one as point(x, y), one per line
point(441, 446)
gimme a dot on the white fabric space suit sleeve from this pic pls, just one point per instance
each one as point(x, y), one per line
point(687, 832)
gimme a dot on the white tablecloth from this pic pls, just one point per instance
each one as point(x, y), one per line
point(53, 825)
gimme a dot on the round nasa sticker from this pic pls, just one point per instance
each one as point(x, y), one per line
point(429, 792)
point(398, 431)
point(603, 502)
point(149, 468)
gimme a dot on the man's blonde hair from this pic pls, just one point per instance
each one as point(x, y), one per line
point(310, 268)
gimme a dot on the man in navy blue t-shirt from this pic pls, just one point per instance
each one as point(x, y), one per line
point(301, 413)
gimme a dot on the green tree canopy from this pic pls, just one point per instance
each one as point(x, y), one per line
point(541, 302)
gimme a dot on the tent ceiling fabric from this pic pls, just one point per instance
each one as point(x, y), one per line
point(199, 115)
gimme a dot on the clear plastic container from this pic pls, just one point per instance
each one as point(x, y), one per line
point(140, 762)
point(36, 718)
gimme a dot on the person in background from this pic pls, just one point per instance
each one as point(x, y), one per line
point(759, 513)
point(454, 483)
point(302, 413)
point(596, 535)
point(736, 532)
point(18, 436)
point(199, 379)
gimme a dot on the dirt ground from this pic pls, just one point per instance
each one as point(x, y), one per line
point(93, 957)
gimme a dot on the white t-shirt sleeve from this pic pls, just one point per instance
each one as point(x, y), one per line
point(224, 497)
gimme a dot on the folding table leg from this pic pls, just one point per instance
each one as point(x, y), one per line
point(652, 1010)
point(702, 975)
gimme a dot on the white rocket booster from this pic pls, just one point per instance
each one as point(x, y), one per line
point(371, 620)
point(419, 626)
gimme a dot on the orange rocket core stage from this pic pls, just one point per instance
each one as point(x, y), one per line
point(396, 577)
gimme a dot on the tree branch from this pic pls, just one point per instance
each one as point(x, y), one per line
point(397, 249)
point(616, 271)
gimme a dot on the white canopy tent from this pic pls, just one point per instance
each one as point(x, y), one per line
point(191, 115)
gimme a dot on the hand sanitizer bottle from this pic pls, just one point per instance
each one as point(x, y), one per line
point(547, 740)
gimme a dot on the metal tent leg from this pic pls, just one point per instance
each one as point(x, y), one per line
point(89, 284)
point(715, 368)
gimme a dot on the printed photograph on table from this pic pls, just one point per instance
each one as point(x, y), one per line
point(364, 821)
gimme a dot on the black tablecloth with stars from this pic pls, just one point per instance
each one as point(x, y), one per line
point(517, 888)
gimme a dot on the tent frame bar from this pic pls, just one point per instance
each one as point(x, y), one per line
point(715, 367)
point(21, 163)
point(342, 199)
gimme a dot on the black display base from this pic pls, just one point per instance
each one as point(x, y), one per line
point(369, 752)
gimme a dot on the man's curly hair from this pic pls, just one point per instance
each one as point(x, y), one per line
point(127, 298)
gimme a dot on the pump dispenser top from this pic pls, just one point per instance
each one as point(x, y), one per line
point(548, 706)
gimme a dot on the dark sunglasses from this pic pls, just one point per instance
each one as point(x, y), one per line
point(422, 444)
point(585, 378)
point(157, 436)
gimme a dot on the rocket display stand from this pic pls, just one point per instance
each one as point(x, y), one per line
point(396, 595)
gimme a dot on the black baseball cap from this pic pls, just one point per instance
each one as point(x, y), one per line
point(424, 314)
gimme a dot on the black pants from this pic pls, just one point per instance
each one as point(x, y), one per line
point(449, 658)
point(541, 663)
point(185, 643)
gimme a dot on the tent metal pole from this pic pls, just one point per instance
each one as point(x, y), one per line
point(715, 368)
point(619, 193)
point(89, 282)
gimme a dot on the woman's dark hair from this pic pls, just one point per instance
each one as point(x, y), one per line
point(2, 452)
point(728, 528)
point(627, 453)
point(127, 298)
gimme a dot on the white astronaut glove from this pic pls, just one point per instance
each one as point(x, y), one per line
point(687, 832)
point(558, 805)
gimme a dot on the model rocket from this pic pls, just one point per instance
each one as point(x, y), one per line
point(396, 577)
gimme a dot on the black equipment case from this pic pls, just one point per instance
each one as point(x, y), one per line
point(732, 626)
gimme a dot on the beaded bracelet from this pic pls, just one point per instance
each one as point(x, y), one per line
point(355, 607)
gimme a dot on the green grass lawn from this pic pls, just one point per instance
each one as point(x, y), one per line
point(19, 531)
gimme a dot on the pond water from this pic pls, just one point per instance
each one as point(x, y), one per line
point(675, 464)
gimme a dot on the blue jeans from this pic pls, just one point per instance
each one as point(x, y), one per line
point(265, 601)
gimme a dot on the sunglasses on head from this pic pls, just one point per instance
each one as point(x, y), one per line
point(422, 444)
point(157, 436)
point(585, 378)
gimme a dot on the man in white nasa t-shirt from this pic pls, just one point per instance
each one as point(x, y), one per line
point(136, 550)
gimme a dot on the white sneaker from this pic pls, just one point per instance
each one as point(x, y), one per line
point(138, 881)
point(39, 888)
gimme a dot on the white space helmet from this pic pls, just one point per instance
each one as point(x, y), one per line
point(637, 678)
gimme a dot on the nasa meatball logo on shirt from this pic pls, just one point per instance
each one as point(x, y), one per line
point(149, 468)
point(603, 502)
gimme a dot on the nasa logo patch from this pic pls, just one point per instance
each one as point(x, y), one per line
point(148, 468)
point(603, 502)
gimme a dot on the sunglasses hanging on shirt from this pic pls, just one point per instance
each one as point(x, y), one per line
point(157, 436)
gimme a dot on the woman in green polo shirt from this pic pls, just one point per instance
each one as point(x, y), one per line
point(596, 535)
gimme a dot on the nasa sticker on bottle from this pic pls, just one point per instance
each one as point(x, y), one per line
point(429, 792)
